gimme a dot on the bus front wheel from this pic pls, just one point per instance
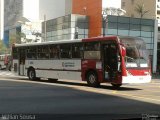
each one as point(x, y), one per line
point(92, 79)
point(32, 74)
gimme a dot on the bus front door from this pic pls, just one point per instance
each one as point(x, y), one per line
point(22, 62)
point(110, 61)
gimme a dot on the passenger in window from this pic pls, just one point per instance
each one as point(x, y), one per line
point(55, 52)
point(75, 52)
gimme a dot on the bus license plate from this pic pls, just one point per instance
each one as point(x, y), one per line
point(141, 78)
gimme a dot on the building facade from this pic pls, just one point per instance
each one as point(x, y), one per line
point(1, 19)
point(40, 10)
point(131, 6)
point(136, 27)
point(150, 10)
point(18, 12)
point(69, 19)
point(73, 26)
point(91, 8)
point(12, 13)
point(68, 26)
point(85, 19)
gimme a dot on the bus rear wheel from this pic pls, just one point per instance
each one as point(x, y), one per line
point(32, 74)
point(92, 79)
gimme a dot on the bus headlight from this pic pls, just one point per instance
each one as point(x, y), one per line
point(146, 73)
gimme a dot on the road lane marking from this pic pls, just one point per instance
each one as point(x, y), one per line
point(153, 91)
point(114, 92)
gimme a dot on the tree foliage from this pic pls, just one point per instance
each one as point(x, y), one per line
point(141, 10)
point(113, 11)
point(3, 48)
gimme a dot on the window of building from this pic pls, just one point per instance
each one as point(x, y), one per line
point(158, 12)
point(132, 1)
point(123, 4)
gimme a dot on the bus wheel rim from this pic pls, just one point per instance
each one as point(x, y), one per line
point(92, 78)
point(31, 74)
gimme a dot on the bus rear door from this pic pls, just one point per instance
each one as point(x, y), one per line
point(22, 56)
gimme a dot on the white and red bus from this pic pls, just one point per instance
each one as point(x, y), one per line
point(111, 59)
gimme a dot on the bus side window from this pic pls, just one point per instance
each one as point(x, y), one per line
point(31, 53)
point(15, 53)
point(77, 51)
point(65, 51)
point(92, 50)
point(46, 52)
point(43, 52)
point(54, 51)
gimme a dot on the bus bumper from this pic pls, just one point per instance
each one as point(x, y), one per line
point(136, 79)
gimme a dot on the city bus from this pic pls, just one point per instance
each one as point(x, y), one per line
point(111, 59)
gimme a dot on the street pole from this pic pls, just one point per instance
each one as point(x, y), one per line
point(45, 28)
point(103, 27)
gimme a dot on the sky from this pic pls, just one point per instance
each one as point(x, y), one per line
point(32, 12)
point(111, 3)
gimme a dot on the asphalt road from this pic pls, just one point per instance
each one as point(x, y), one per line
point(69, 100)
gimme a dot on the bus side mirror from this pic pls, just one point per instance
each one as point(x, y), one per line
point(123, 51)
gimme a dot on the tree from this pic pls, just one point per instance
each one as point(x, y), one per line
point(113, 11)
point(141, 10)
point(3, 48)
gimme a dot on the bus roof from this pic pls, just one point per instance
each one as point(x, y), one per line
point(102, 38)
point(49, 42)
point(130, 37)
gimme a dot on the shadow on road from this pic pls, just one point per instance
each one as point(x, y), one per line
point(107, 86)
point(65, 103)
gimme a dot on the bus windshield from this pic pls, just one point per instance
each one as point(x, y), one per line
point(136, 53)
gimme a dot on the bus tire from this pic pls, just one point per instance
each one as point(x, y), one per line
point(116, 86)
point(32, 74)
point(92, 79)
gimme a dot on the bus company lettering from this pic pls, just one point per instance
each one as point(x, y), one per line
point(68, 64)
